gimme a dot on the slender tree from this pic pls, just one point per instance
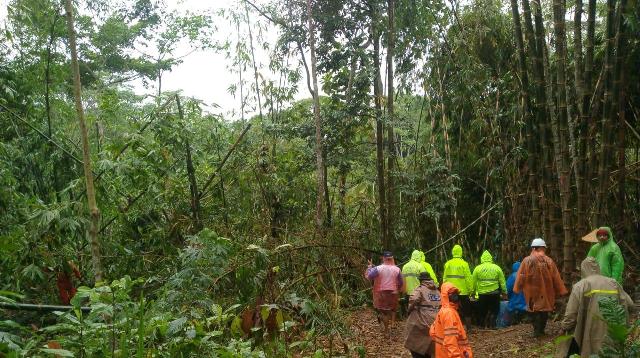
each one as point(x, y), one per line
point(607, 124)
point(86, 152)
point(526, 113)
point(320, 170)
point(377, 99)
point(391, 142)
point(191, 173)
point(562, 152)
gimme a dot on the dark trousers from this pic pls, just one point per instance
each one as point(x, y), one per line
point(539, 322)
point(465, 311)
point(488, 309)
point(418, 355)
point(516, 317)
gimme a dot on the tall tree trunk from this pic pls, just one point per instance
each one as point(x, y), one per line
point(377, 98)
point(47, 102)
point(86, 153)
point(554, 205)
point(585, 122)
point(191, 174)
point(579, 157)
point(618, 113)
point(391, 146)
point(535, 49)
point(320, 180)
point(562, 152)
point(531, 136)
point(607, 122)
point(327, 197)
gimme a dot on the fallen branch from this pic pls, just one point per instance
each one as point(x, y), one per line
point(38, 308)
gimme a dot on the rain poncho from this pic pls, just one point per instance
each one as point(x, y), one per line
point(411, 270)
point(447, 330)
point(428, 268)
point(516, 300)
point(457, 272)
point(609, 257)
point(539, 280)
point(424, 304)
point(488, 277)
point(582, 316)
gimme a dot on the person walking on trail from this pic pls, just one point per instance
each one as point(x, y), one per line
point(538, 278)
point(387, 284)
point(457, 272)
point(488, 283)
point(412, 270)
point(517, 306)
point(582, 316)
point(424, 304)
point(447, 330)
point(608, 254)
point(428, 268)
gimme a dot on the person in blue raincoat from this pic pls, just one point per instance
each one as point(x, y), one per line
point(517, 304)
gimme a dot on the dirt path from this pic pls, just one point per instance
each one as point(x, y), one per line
point(513, 341)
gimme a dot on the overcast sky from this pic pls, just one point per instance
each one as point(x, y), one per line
point(202, 74)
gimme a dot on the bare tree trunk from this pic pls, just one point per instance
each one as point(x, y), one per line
point(526, 113)
point(535, 48)
point(585, 122)
point(86, 153)
point(191, 173)
point(562, 151)
point(391, 146)
point(607, 117)
point(618, 113)
point(327, 197)
point(377, 94)
point(318, 121)
point(47, 101)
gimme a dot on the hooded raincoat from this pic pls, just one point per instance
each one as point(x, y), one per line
point(583, 314)
point(424, 304)
point(457, 272)
point(609, 257)
point(488, 277)
point(447, 330)
point(411, 271)
point(428, 268)
point(516, 300)
point(539, 280)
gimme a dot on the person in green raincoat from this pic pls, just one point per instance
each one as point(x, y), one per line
point(488, 283)
point(429, 269)
point(411, 271)
point(608, 254)
point(457, 271)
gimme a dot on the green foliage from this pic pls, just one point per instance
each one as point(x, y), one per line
point(622, 338)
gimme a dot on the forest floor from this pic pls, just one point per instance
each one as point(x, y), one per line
point(513, 341)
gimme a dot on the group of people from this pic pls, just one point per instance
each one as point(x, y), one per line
point(440, 316)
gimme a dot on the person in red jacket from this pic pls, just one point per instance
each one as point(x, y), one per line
point(447, 330)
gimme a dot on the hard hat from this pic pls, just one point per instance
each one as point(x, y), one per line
point(538, 242)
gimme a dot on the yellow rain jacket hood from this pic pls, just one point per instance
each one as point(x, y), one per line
point(488, 277)
point(457, 272)
point(411, 271)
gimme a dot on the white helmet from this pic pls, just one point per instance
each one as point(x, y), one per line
point(538, 242)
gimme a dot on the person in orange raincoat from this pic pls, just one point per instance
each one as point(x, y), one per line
point(538, 278)
point(447, 330)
